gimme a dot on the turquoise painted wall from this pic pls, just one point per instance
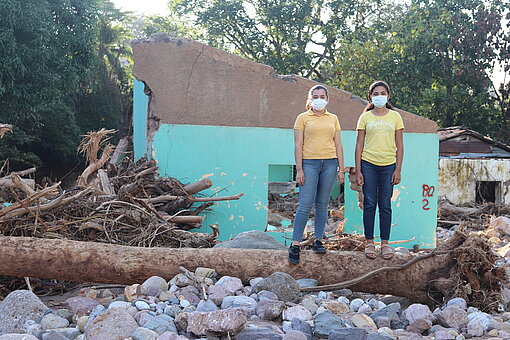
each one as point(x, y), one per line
point(140, 109)
point(237, 159)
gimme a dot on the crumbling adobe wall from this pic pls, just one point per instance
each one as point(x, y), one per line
point(192, 83)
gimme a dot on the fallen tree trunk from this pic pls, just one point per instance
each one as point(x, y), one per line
point(428, 280)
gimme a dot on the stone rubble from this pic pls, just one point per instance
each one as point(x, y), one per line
point(264, 308)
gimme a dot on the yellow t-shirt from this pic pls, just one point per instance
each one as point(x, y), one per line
point(318, 133)
point(380, 148)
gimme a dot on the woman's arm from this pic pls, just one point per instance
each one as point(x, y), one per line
point(340, 156)
point(399, 142)
point(298, 155)
point(360, 144)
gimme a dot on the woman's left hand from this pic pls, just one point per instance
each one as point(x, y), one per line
point(395, 178)
point(340, 177)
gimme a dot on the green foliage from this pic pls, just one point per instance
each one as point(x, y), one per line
point(58, 64)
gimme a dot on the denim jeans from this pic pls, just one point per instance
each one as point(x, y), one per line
point(377, 191)
point(320, 176)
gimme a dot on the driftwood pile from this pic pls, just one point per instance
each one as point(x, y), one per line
point(114, 201)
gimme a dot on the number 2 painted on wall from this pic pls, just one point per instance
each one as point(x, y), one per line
point(428, 191)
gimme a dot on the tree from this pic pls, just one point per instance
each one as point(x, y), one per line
point(57, 76)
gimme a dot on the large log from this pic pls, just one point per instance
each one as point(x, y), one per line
point(422, 281)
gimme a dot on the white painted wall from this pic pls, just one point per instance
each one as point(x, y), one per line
point(458, 177)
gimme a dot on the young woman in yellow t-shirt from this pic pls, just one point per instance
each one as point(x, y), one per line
point(319, 161)
point(379, 154)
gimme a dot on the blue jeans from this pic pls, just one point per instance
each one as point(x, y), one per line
point(377, 191)
point(320, 176)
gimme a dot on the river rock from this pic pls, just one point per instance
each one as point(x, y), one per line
point(80, 305)
point(484, 319)
point(230, 283)
point(297, 311)
point(161, 324)
point(348, 334)
point(303, 283)
point(356, 304)
point(259, 330)
point(391, 311)
point(418, 311)
point(17, 308)
point(18, 337)
point(327, 322)
point(216, 294)
point(244, 302)
point(453, 317)
point(253, 239)
point(336, 307)
point(51, 320)
point(475, 328)
point(294, 335)
point(419, 326)
point(501, 224)
point(459, 302)
point(206, 306)
point(282, 284)
point(142, 333)
point(363, 321)
point(267, 295)
point(113, 324)
point(269, 309)
point(221, 321)
point(154, 286)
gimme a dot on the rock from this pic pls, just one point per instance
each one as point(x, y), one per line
point(142, 305)
point(475, 328)
point(206, 306)
point(294, 335)
point(419, 326)
point(254, 239)
point(161, 324)
point(81, 322)
point(80, 305)
point(303, 283)
point(142, 333)
point(258, 330)
point(493, 333)
point(184, 303)
point(64, 313)
point(403, 251)
point(385, 330)
point(98, 310)
point(336, 307)
point(243, 302)
point(60, 333)
point(204, 272)
point(302, 326)
point(165, 296)
point(344, 300)
point(120, 304)
point(255, 280)
point(216, 294)
point(399, 323)
point(51, 321)
point(297, 311)
point(363, 321)
point(191, 294)
point(484, 319)
point(113, 324)
point(453, 317)
point(382, 321)
point(348, 334)
point(265, 294)
point(51, 335)
point(132, 292)
point(418, 311)
point(364, 309)
point(17, 308)
point(269, 309)
point(327, 322)
point(309, 303)
point(181, 280)
point(171, 336)
point(282, 284)
point(391, 311)
point(459, 302)
point(356, 304)
point(379, 336)
point(221, 321)
point(230, 284)
point(344, 292)
point(444, 335)
point(501, 224)
point(17, 337)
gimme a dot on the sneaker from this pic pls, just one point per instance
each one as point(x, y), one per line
point(318, 247)
point(294, 254)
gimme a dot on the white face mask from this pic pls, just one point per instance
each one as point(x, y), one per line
point(379, 101)
point(319, 104)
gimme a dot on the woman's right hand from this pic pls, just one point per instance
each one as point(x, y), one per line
point(300, 177)
point(359, 178)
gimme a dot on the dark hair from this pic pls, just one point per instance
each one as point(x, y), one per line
point(371, 88)
point(308, 104)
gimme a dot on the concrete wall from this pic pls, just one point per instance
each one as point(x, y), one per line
point(458, 177)
point(210, 113)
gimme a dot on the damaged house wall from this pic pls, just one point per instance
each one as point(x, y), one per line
point(209, 113)
point(473, 168)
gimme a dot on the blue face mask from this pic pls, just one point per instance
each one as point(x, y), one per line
point(379, 101)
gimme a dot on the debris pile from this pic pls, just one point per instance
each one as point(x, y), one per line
point(114, 201)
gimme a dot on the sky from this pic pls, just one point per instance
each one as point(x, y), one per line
point(143, 6)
